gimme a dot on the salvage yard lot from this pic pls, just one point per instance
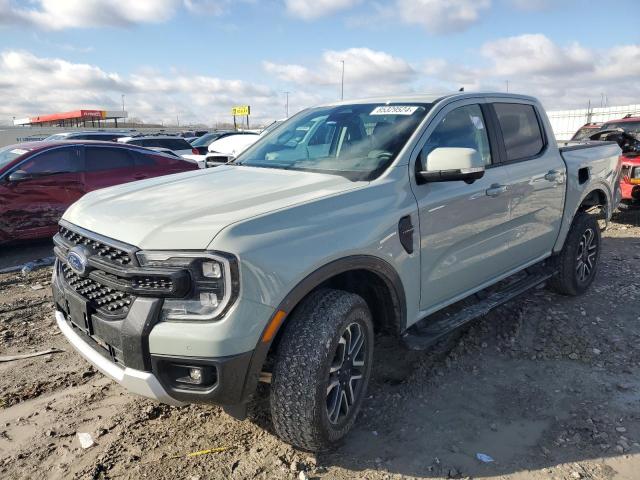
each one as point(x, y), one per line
point(548, 386)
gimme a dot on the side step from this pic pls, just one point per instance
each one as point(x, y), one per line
point(422, 338)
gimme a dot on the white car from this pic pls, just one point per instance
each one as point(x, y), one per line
point(224, 150)
point(170, 142)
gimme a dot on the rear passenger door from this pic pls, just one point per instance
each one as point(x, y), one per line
point(107, 166)
point(537, 180)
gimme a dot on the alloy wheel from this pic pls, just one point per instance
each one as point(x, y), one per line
point(586, 258)
point(346, 373)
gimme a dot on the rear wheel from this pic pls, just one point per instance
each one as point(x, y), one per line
point(322, 369)
point(577, 263)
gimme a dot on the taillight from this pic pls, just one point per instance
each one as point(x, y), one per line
point(195, 151)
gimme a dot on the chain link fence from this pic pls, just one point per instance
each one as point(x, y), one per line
point(566, 122)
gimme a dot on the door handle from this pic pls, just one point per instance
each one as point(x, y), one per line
point(497, 190)
point(553, 176)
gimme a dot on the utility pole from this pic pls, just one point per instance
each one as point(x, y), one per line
point(507, 86)
point(286, 105)
point(123, 103)
point(342, 82)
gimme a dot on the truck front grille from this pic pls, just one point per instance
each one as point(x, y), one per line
point(101, 297)
point(101, 249)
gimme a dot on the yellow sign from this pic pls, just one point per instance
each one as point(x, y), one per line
point(241, 110)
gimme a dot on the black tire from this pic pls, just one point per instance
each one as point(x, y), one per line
point(577, 263)
point(309, 350)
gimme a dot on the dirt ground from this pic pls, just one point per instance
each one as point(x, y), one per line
point(548, 386)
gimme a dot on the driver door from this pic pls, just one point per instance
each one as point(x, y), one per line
point(463, 226)
point(32, 206)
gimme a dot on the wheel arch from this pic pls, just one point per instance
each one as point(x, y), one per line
point(597, 194)
point(371, 277)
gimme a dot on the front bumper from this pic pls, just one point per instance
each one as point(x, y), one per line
point(118, 328)
point(135, 381)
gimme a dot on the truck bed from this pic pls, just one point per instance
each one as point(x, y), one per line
point(589, 165)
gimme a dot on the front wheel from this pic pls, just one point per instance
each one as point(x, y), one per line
point(577, 263)
point(322, 369)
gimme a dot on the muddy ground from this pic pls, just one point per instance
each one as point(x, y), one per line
point(548, 386)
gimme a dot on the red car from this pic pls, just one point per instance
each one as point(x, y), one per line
point(39, 180)
point(625, 131)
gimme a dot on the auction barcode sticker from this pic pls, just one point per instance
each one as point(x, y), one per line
point(394, 110)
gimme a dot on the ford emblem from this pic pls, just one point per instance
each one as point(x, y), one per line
point(77, 260)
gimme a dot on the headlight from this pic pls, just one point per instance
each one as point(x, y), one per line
point(214, 283)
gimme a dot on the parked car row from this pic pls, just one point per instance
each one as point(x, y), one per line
point(39, 180)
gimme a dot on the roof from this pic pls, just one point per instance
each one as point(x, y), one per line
point(429, 98)
point(40, 145)
point(623, 120)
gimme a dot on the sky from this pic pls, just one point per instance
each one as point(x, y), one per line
point(192, 60)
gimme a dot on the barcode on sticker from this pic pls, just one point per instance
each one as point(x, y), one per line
point(394, 110)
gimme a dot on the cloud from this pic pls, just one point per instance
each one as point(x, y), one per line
point(367, 71)
point(60, 15)
point(562, 76)
point(312, 9)
point(441, 16)
point(58, 85)
point(536, 54)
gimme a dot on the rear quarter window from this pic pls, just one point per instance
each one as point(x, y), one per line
point(520, 130)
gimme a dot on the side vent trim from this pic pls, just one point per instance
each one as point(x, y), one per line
point(405, 232)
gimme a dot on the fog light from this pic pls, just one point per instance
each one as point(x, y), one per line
point(195, 374)
point(211, 270)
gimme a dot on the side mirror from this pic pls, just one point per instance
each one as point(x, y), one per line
point(445, 164)
point(19, 176)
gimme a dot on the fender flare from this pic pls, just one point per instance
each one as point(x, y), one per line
point(355, 262)
point(593, 187)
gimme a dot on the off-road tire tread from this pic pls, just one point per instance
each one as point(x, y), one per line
point(564, 282)
point(301, 355)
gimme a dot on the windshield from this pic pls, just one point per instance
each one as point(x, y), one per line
point(57, 136)
point(356, 141)
point(205, 140)
point(10, 153)
point(584, 133)
point(631, 127)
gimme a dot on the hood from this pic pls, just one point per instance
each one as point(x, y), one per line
point(187, 210)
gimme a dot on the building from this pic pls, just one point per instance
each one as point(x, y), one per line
point(77, 118)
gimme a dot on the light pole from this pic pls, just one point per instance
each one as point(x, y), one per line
point(342, 82)
point(123, 103)
point(286, 105)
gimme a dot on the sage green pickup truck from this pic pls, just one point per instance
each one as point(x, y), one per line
point(348, 219)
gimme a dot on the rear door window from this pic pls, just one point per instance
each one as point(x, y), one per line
point(143, 160)
point(102, 158)
point(520, 130)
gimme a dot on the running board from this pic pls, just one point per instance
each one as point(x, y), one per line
point(422, 338)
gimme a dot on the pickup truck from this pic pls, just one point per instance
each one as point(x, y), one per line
point(346, 220)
